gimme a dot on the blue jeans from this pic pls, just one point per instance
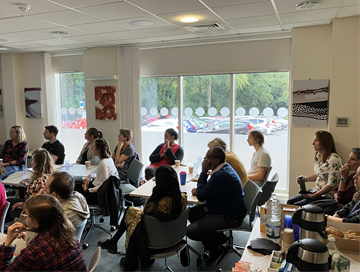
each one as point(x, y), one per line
point(10, 170)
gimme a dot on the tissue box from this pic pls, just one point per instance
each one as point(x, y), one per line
point(346, 244)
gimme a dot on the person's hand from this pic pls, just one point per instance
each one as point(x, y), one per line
point(345, 171)
point(167, 142)
point(193, 191)
point(306, 195)
point(143, 181)
point(120, 164)
point(18, 205)
point(206, 165)
point(13, 232)
point(78, 162)
point(85, 183)
point(21, 236)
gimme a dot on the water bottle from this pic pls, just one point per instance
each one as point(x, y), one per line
point(339, 262)
point(273, 219)
point(331, 245)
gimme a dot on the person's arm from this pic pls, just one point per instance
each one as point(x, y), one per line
point(345, 196)
point(79, 160)
point(259, 176)
point(324, 190)
point(310, 178)
point(179, 155)
point(102, 174)
point(155, 155)
point(20, 156)
point(335, 218)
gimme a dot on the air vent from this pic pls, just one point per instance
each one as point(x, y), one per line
point(204, 28)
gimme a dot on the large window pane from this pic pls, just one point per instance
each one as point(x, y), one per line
point(262, 102)
point(206, 113)
point(70, 89)
point(159, 102)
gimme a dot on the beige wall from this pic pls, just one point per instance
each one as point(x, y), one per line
point(326, 52)
point(2, 120)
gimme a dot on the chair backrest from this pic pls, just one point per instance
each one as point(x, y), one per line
point(266, 176)
point(134, 172)
point(165, 234)
point(95, 260)
point(268, 188)
point(3, 216)
point(252, 195)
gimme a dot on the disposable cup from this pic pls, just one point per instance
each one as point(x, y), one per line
point(67, 165)
point(87, 164)
point(177, 163)
point(191, 169)
point(200, 160)
point(287, 221)
point(288, 236)
point(195, 167)
point(24, 169)
point(183, 178)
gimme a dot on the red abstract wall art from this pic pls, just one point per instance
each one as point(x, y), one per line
point(105, 102)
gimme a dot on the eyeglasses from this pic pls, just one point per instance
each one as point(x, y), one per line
point(24, 215)
point(12, 131)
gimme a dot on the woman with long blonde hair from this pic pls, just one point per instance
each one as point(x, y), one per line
point(43, 166)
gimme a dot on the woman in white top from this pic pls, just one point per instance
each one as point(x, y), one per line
point(106, 169)
point(261, 159)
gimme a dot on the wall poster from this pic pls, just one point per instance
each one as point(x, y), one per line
point(105, 102)
point(33, 103)
point(310, 102)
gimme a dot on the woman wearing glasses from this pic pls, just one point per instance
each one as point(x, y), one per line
point(86, 153)
point(55, 248)
point(14, 152)
point(327, 165)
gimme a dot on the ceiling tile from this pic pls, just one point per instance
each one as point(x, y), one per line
point(285, 6)
point(27, 36)
point(160, 31)
point(25, 23)
point(259, 29)
point(90, 38)
point(310, 15)
point(36, 6)
point(168, 6)
point(253, 21)
point(245, 10)
point(125, 22)
point(177, 37)
point(24, 45)
point(305, 24)
point(138, 41)
point(351, 3)
point(222, 3)
point(99, 27)
point(7, 14)
point(129, 34)
point(214, 33)
point(66, 18)
point(72, 31)
point(58, 42)
point(82, 3)
point(204, 15)
point(349, 11)
point(113, 11)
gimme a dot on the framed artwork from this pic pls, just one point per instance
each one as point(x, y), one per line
point(310, 102)
point(33, 103)
point(105, 102)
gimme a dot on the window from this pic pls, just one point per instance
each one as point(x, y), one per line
point(70, 88)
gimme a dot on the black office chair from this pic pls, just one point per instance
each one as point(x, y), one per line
point(127, 187)
point(268, 188)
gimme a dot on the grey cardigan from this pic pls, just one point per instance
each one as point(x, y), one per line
point(90, 156)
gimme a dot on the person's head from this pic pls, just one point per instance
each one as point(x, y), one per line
point(167, 184)
point(215, 156)
point(101, 149)
point(323, 144)
point(92, 133)
point(2, 170)
point(171, 135)
point(356, 197)
point(43, 214)
point(217, 142)
point(255, 137)
point(42, 163)
point(50, 132)
point(17, 133)
point(61, 185)
point(354, 159)
point(125, 135)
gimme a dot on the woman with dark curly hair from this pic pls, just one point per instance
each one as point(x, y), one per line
point(166, 203)
point(55, 248)
point(165, 153)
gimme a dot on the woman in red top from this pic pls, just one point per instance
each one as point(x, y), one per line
point(165, 153)
point(14, 152)
point(55, 248)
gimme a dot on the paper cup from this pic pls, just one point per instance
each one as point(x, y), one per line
point(191, 169)
point(183, 178)
point(288, 236)
point(87, 164)
point(177, 163)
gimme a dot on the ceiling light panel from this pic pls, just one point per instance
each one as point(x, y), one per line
point(203, 15)
point(119, 10)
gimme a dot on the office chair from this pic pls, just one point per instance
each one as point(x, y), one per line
point(95, 259)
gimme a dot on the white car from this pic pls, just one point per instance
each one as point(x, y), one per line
point(260, 123)
point(162, 125)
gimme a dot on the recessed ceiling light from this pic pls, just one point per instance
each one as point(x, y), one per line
point(189, 19)
point(141, 23)
point(307, 5)
point(60, 34)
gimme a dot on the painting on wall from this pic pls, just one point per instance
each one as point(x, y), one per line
point(33, 102)
point(310, 102)
point(1, 104)
point(105, 103)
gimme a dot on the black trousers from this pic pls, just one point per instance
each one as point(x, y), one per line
point(204, 226)
point(300, 200)
point(91, 197)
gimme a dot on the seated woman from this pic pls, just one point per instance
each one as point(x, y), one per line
point(14, 151)
point(165, 153)
point(55, 248)
point(260, 160)
point(124, 153)
point(232, 159)
point(2, 192)
point(327, 170)
point(106, 169)
point(165, 203)
point(86, 153)
point(43, 166)
point(351, 212)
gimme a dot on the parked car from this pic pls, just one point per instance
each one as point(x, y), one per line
point(161, 125)
point(150, 118)
point(222, 126)
point(260, 124)
point(274, 126)
point(198, 121)
point(283, 122)
point(143, 121)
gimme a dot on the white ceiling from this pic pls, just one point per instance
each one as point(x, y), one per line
point(96, 23)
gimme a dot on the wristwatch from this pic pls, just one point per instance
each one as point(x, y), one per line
point(343, 180)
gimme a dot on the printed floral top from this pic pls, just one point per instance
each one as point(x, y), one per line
point(37, 185)
point(328, 173)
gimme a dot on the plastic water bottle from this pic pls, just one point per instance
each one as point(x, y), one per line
point(339, 262)
point(273, 219)
point(331, 245)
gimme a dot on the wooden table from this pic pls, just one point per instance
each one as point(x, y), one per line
point(145, 190)
point(262, 262)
